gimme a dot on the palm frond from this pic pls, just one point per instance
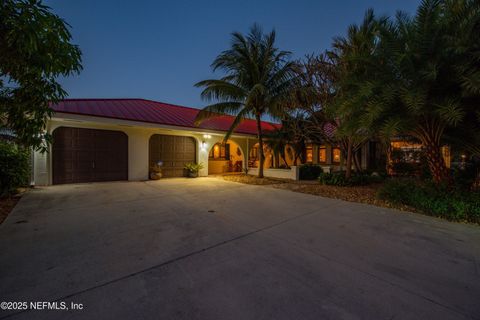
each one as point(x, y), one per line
point(238, 119)
point(220, 90)
point(451, 112)
point(219, 109)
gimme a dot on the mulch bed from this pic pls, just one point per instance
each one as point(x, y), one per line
point(242, 178)
point(362, 194)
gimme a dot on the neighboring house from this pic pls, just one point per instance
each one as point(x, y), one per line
point(121, 139)
point(330, 156)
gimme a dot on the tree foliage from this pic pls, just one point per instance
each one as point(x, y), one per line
point(290, 138)
point(35, 50)
point(14, 167)
point(417, 76)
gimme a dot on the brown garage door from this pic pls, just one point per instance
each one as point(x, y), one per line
point(88, 155)
point(174, 151)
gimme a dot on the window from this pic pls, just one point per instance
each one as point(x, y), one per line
point(336, 155)
point(405, 151)
point(322, 154)
point(309, 153)
point(220, 152)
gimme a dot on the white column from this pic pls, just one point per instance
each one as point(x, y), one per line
point(40, 169)
point(138, 148)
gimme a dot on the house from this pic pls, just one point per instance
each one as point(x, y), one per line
point(123, 139)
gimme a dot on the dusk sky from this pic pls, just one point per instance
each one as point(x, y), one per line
point(158, 49)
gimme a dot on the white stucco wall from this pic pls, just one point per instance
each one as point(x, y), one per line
point(292, 173)
point(138, 141)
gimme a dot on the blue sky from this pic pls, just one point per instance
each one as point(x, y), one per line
point(158, 49)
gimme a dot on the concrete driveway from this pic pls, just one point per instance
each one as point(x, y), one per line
point(211, 249)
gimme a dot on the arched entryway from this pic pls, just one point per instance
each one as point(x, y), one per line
point(225, 157)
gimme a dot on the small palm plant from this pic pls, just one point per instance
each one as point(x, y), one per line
point(258, 81)
point(193, 169)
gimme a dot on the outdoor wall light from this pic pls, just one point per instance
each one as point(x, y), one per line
point(204, 145)
point(207, 136)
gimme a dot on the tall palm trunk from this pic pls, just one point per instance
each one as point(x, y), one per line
point(348, 170)
point(436, 163)
point(388, 154)
point(430, 134)
point(260, 146)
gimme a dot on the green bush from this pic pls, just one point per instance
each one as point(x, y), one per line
point(357, 179)
point(465, 175)
point(434, 200)
point(14, 167)
point(333, 179)
point(310, 171)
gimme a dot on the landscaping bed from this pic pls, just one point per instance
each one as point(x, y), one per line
point(363, 194)
point(242, 178)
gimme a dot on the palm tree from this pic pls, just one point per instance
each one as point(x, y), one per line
point(433, 61)
point(356, 60)
point(418, 76)
point(257, 82)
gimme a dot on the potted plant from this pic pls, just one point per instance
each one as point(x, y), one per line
point(193, 168)
point(156, 170)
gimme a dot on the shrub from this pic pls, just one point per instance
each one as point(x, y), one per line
point(310, 171)
point(194, 167)
point(434, 200)
point(465, 174)
point(333, 179)
point(14, 167)
point(357, 179)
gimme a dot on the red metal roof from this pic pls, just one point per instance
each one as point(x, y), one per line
point(154, 112)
